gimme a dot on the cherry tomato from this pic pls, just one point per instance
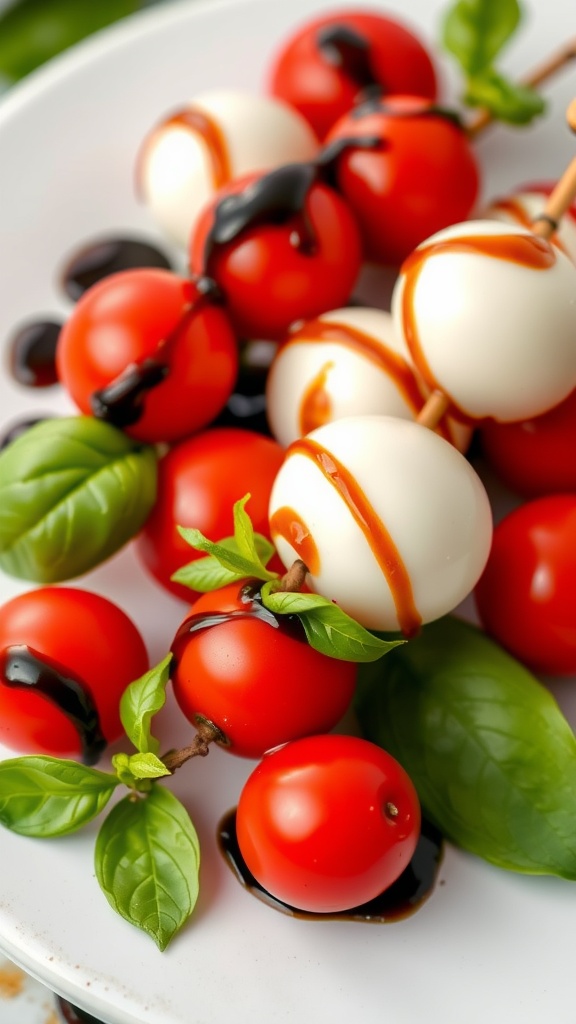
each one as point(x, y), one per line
point(418, 178)
point(155, 326)
point(287, 249)
point(198, 482)
point(526, 597)
point(253, 674)
point(328, 822)
point(324, 67)
point(535, 457)
point(66, 656)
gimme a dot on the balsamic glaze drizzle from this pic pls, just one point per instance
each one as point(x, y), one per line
point(400, 900)
point(121, 402)
point(347, 49)
point(23, 668)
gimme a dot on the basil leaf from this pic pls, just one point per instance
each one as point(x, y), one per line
point(73, 491)
point(33, 31)
point(328, 629)
point(506, 101)
point(146, 766)
point(491, 755)
point(475, 31)
point(140, 701)
point(45, 796)
point(246, 538)
point(226, 553)
point(147, 859)
point(208, 573)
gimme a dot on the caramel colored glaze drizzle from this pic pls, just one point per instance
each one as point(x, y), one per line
point(402, 899)
point(22, 668)
point(197, 122)
point(316, 406)
point(374, 530)
point(286, 523)
point(514, 209)
point(525, 250)
point(392, 364)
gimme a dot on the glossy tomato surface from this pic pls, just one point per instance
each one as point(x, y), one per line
point(526, 597)
point(328, 822)
point(537, 456)
point(199, 480)
point(284, 264)
point(420, 176)
point(150, 315)
point(84, 638)
point(253, 674)
point(326, 64)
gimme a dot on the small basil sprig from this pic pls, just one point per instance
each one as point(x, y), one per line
point(147, 854)
point(244, 556)
point(475, 31)
point(73, 491)
point(491, 755)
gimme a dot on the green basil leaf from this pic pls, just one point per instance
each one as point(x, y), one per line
point(147, 860)
point(146, 766)
point(506, 101)
point(226, 553)
point(208, 573)
point(328, 629)
point(140, 701)
point(33, 31)
point(475, 31)
point(246, 538)
point(73, 491)
point(45, 796)
point(490, 753)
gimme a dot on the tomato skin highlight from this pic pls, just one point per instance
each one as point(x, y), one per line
point(322, 91)
point(87, 636)
point(315, 827)
point(198, 482)
point(131, 316)
point(526, 597)
point(535, 457)
point(422, 177)
point(261, 684)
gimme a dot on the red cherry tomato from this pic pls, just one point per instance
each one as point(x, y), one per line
point(66, 657)
point(283, 264)
point(148, 314)
point(421, 177)
point(323, 68)
point(328, 822)
point(254, 675)
point(198, 482)
point(526, 597)
point(537, 456)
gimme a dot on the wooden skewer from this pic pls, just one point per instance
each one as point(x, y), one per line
point(559, 201)
point(541, 73)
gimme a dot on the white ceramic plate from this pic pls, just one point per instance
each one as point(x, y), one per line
point(487, 946)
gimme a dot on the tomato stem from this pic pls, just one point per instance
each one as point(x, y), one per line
point(294, 579)
point(206, 733)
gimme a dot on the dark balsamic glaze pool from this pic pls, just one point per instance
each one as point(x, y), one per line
point(399, 901)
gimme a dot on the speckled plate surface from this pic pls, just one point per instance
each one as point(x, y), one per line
point(487, 946)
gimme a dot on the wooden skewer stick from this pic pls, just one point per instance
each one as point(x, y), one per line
point(559, 200)
point(541, 73)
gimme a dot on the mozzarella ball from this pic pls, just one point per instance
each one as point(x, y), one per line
point(488, 312)
point(524, 206)
point(391, 520)
point(216, 137)
point(349, 362)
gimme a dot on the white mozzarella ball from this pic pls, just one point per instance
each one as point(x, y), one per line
point(216, 137)
point(349, 362)
point(524, 206)
point(489, 314)
point(391, 520)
